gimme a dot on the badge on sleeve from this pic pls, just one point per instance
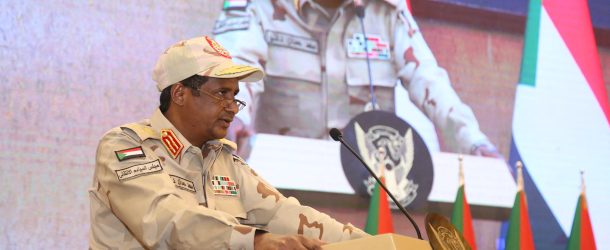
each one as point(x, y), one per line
point(235, 5)
point(375, 46)
point(129, 153)
point(223, 185)
point(171, 142)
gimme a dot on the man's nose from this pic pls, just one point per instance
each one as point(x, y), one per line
point(232, 106)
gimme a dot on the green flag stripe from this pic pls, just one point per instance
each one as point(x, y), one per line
point(372, 221)
point(514, 228)
point(530, 45)
point(574, 241)
point(457, 216)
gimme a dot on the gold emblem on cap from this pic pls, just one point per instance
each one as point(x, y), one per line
point(235, 70)
point(217, 47)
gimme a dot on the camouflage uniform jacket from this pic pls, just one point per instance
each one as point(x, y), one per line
point(317, 73)
point(153, 189)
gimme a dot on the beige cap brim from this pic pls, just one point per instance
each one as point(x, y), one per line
point(229, 70)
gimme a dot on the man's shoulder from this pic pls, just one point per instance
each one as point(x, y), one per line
point(138, 131)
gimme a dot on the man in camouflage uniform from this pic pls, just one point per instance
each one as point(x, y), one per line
point(171, 182)
point(316, 72)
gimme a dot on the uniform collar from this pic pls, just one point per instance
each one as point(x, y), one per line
point(299, 3)
point(159, 123)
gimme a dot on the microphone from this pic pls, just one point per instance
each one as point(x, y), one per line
point(359, 8)
point(337, 136)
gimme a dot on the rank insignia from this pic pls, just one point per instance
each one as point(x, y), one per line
point(223, 185)
point(171, 142)
point(376, 48)
point(129, 153)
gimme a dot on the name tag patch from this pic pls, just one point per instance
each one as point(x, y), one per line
point(375, 47)
point(291, 41)
point(223, 185)
point(183, 184)
point(231, 24)
point(138, 170)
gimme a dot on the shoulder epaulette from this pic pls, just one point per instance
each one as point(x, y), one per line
point(143, 131)
point(227, 143)
point(239, 159)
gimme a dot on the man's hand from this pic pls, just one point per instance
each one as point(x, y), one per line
point(264, 241)
point(486, 151)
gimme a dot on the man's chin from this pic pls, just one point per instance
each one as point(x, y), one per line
point(220, 133)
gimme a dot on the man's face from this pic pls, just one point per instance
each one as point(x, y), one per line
point(208, 117)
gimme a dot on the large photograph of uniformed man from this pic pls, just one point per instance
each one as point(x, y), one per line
point(327, 62)
point(319, 75)
point(454, 82)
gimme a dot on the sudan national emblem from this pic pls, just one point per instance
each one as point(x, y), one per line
point(391, 147)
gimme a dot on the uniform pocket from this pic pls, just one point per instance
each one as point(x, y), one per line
point(231, 205)
point(293, 57)
point(383, 73)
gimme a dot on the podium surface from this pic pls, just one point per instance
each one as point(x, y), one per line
point(381, 242)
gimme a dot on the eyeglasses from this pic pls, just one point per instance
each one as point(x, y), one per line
point(226, 103)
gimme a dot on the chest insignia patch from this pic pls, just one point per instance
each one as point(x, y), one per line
point(129, 153)
point(171, 142)
point(223, 185)
point(183, 184)
point(375, 47)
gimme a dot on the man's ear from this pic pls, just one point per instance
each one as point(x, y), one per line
point(178, 94)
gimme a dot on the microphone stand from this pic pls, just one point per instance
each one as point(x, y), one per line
point(337, 136)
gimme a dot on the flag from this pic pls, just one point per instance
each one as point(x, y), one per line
point(519, 231)
point(129, 153)
point(379, 220)
point(234, 4)
point(460, 217)
point(581, 236)
point(561, 119)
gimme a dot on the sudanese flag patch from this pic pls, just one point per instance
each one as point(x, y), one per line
point(129, 153)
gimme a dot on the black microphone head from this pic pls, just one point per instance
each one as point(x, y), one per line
point(335, 134)
point(360, 11)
